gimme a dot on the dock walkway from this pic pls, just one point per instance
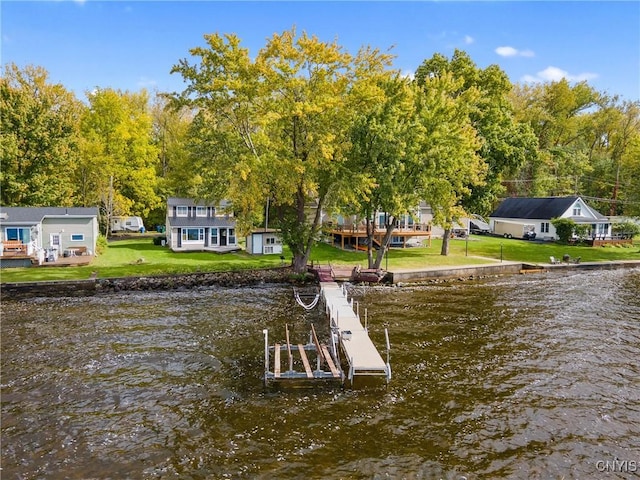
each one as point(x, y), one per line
point(348, 335)
point(360, 353)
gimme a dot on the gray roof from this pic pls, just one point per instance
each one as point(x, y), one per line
point(537, 208)
point(189, 202)
point(202, 222)
point(34, 215)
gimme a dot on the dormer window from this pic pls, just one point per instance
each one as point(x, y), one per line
point(182, 211)
point(201, 211)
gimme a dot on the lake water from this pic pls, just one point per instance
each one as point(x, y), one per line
point(530, 376)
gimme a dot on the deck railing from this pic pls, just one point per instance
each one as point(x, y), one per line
point(416, 227)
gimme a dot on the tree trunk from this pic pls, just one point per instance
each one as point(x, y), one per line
point(445, 242)
point(302, 250)
point(384, 248)
point(299, 262)
point(371, 228)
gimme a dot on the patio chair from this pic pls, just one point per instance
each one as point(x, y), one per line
point(554, 261)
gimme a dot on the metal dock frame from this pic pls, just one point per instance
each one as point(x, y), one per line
point(322, 357)
point(360, 353)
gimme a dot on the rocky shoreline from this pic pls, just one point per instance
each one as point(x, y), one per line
point(241, 278)
point(278, 275)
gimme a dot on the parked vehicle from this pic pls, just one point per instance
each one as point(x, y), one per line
point(514, 229)
point(478, 225)
point(127, 224)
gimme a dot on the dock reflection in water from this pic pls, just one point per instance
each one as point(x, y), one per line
point(531, 376)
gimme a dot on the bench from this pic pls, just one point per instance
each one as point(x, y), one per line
point(14, 246)
point(75, 251)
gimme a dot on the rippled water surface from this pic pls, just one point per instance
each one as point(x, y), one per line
point(533, 376)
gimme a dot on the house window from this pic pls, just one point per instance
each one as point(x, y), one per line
point(544, 227)
point(182, 211)
point(577, 211)
point(270, 240)
point(77, 237)
point(192, 234)
point(201, 211)
point(214, 236)
point(232, 236)
point(22, 234)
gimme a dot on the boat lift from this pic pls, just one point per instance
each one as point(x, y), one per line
point(327, 362)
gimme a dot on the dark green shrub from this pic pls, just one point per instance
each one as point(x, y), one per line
point(565, 228)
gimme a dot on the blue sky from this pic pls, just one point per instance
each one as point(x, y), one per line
point(130, 45)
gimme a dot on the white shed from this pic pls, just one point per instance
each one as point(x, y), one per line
point(266, 241)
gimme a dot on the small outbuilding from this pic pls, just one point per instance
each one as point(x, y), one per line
point(266, 241)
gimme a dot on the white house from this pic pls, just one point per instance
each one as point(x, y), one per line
point(41, 233)
point(265, 241)
point(514, 217)
point(199, 226)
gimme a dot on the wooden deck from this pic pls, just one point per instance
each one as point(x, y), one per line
point(61, 261)
point(352, 236)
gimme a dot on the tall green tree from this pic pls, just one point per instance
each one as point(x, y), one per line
point(614, 131)
point(276, 127)
point(39, 129)
point(557, 112)
point(449, 163)
point(381, 157)
point(119, 159)
point(507, 143)
point(176, 171)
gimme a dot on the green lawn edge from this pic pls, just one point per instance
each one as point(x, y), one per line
point(140, 257)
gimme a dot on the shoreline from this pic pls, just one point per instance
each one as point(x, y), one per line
point(281, 275)
point(471, 272)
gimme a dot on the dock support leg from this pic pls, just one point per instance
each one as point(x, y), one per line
point(265, 332)
point(386, 335)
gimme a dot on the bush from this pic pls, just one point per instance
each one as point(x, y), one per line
point(159, 239)
point(564, 228)
point(101, 244)
point(629, 229)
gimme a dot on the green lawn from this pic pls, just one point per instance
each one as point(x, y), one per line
point(140, 257)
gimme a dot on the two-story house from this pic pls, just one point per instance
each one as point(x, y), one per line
point(199, 226)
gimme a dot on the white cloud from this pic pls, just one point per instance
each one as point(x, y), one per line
point(468, 40)
point(513, 52)
point(408, 74)
point(147, 83)
point(555, 74)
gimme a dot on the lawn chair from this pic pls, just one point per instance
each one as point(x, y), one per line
point(554, 261)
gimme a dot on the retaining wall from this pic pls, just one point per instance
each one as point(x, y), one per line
point(163, 282)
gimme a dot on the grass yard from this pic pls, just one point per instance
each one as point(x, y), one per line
point(140, 257)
